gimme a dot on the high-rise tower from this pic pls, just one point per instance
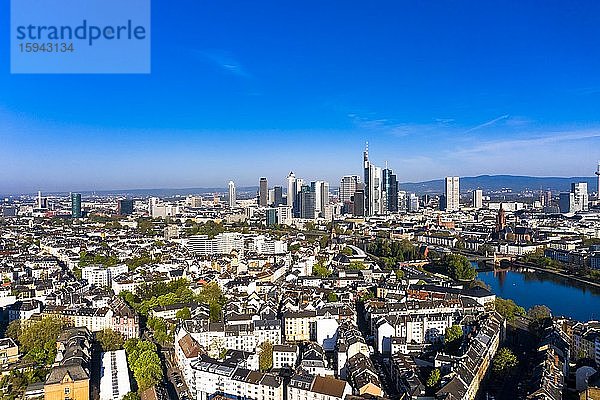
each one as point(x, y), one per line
point(598, 186)
point(291, 189)
point(263, 192)
point(232, 195)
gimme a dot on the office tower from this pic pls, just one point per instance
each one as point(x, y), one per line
point(263, 192)
point(566, 202)
point(412, 203)
point(125, 207)
point(477, 198)
point(232, 195)
point(359, 202)
point(284, 215)
point(306, 203)
point(548, 200)
point(42, 202)
point(373, 186)
point(299, 184)
point(580, 195)
point(291, 189)
point(390, 188)
point(348, 186)
point(271, 197)
point(598, 184)
point(277, 196)
point(452, 193)
point(76, 205)
point(152, 202)
point(270, 216)
point(321, 191)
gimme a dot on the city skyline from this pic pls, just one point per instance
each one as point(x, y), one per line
point(414, 81)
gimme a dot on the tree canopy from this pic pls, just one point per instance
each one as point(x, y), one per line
point(265, 356)
point(505, 361)
point(433, 379)
point(508, 309)
point(110, 340)
point(38, 339)
point(459, 267)
point(143, 360)
point(319, 269)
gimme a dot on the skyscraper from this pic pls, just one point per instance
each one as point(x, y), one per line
point(412, 203)
point(278, 196)
point(76, 205)
point(580, 194)
point(232, 195)
point(291, 189)
point(566, 202)
point(125, 207)
point(263, 192)
point(390, 188)
point(373, 186)
point(306, 203)
point(598, 185)
point(348, 186)
point(42, 202)
point(452, 193)
point(477, 198)
point(321, 191)
point(359, 203)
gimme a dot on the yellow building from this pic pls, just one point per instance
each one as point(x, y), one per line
point(69, 378)
point(9, 352)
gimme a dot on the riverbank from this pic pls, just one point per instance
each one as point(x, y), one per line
point(529, 287)
point(557, 273)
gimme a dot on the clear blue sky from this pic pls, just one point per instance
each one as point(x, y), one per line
point(243, 89)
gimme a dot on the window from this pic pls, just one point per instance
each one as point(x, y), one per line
point(67, 390)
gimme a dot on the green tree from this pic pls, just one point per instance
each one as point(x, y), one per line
point(265, 356)
point(212, 295)
point(459, 267)
point(434, 378)
point(356, 265)
point(504, 362)
point(508, 309)
point(148, 370)
point(321, 270)
point(347, 251)
point(453, 334)
point(110, 340)
point(131, 396)
point(184, 313)
point(144, 362)
point(541, 318)
point(332, 297)
point(14, 330)
point(38, 339)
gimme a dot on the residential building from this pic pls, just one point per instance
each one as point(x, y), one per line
point(69, 377)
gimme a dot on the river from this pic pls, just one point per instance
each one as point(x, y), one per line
point(563, 296)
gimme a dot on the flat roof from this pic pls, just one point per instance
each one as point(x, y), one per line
point(114, 375)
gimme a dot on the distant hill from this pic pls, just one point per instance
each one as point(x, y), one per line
point(498, 182)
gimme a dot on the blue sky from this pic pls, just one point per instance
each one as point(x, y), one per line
point(243, 89)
